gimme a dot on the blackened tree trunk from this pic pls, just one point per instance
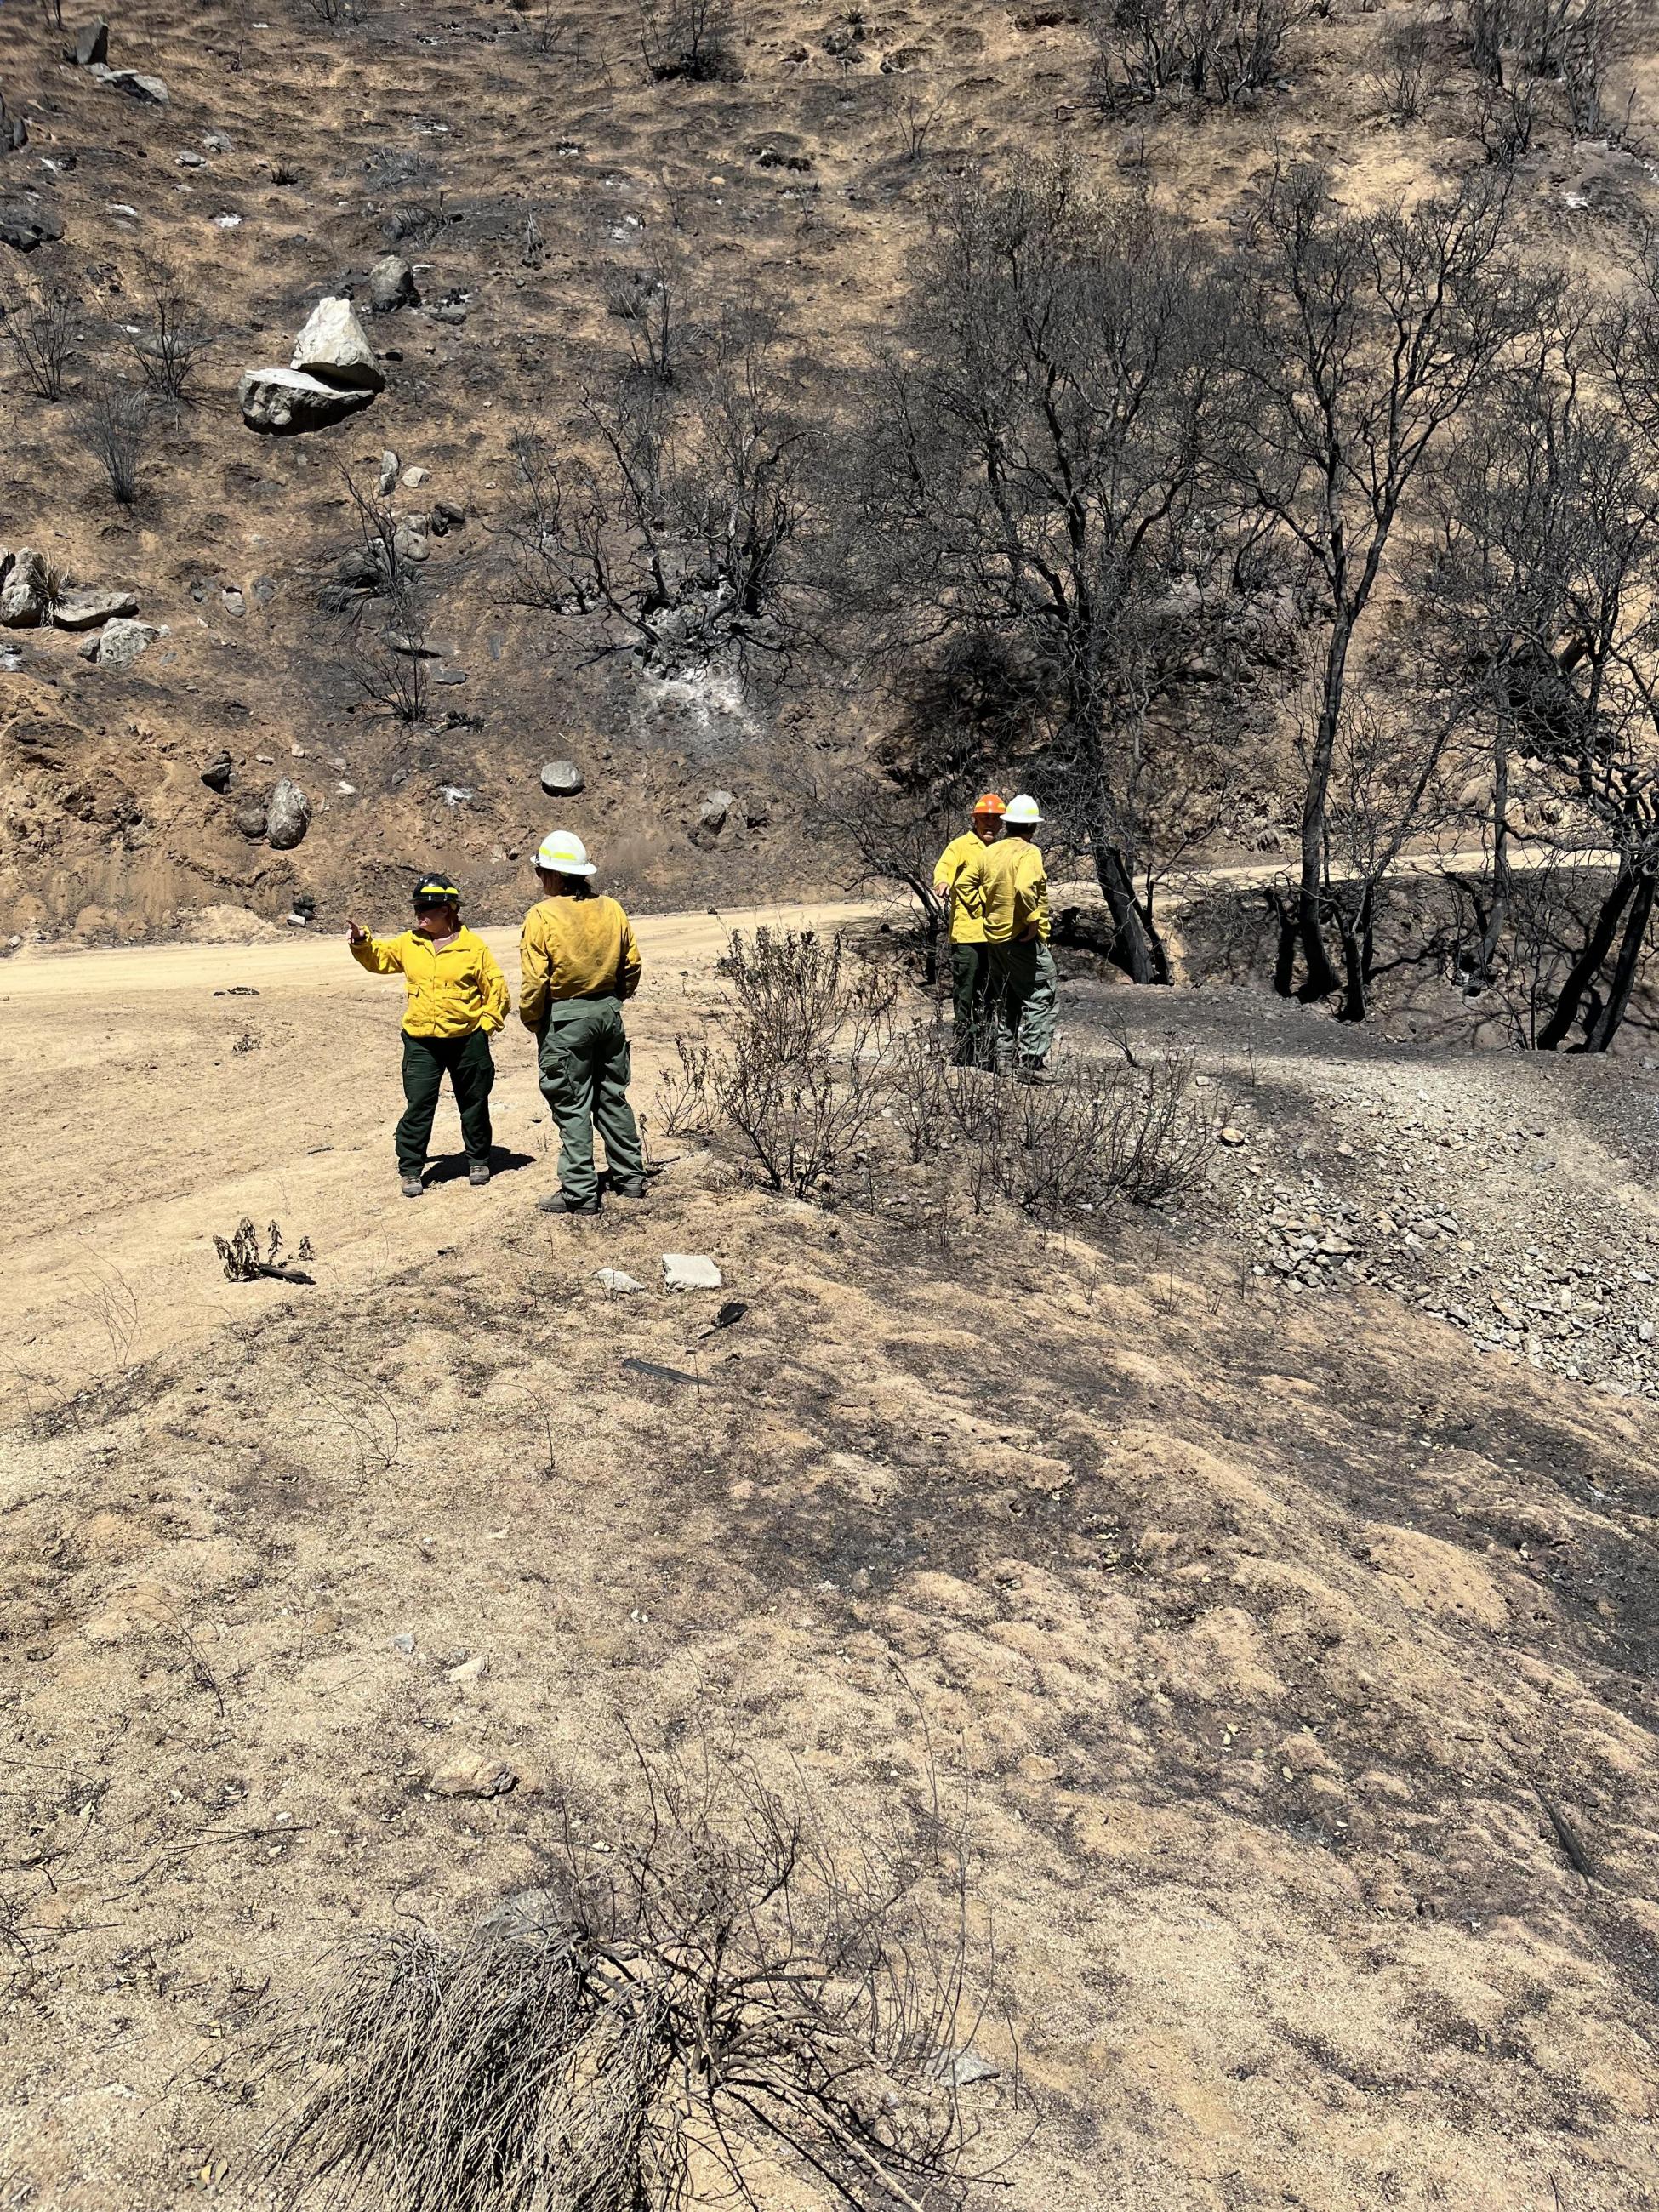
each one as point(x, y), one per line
point(1603, 1028)
point(1589, 964)
point(1138, 948)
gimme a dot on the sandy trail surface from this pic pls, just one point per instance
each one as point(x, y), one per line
point(170, 1090)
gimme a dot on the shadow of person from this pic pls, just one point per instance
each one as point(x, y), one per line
point(454, 1169)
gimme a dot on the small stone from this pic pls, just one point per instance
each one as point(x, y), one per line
point(233, 601)
point(404, 1643)
point(469, 1670)
point(716, 805)
point(120, 642)
point(414, 477)
point(411, 541)
point(561, 778)
point(1231, 1136)
point(25, 596)
point(388, 478)
point(614, 1280)
point(690, 1271)
point(217, 773)
point(392, 285)
point(959, 2068)
point(473, 1775)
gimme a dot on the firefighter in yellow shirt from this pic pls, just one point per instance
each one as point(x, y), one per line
point(956, 881)
point(1012, 888)
point(580, 964)
point(457, 1000)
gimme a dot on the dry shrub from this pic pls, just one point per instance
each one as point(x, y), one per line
point(802, 1072)
point(1093, 1133)
point(731, 1982)
point(41, 323)
point(116, 426)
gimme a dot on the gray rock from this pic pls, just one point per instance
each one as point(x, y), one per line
point(265, 589)
point(281, 402)
point(392, 285)
point(217, 773)
point(233, 601)
point(450, 675)
point(88, 610)
point(25, 596)
point(334, 347)
point(690, 1271)
point(14, 130)
point(90, 46)
point(251, 819)
point(562, 778)
point(120, 642)
point(188, 159)
point(415, 477)
point(25, 224)
point(419, 648)
point(619, 1285)
point(151, 90)
point(288, 816)
point(451, 314)
point(411, 541)
point(716, 805)
point(388, 478)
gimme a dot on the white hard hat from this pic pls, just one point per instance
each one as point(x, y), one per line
point(564, 854)
point(1023, 809)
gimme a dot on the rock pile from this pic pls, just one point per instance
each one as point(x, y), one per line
point(334, 372)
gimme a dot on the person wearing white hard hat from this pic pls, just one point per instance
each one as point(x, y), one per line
point(579, 966)
point(1012, 888)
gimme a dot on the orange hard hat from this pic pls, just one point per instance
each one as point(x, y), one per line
point(989, 803)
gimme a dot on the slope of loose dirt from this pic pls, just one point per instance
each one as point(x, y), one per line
point(796, 183)
point(1257, 1622)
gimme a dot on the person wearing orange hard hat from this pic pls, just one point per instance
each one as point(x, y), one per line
point(956, 881)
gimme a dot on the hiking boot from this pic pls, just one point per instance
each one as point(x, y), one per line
point(628, 1189)
point(412, 1186)
point(557, 1202)
point(477, 1174)
point(1031, 1071)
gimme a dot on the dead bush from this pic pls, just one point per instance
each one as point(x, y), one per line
point(1092, 1133)
point(116, 426)
point(732, 1979)
point(38, 322)
point(802, 1072)
point(689, 38)
point(171, 338)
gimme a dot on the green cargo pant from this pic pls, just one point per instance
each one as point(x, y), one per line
point(1013, 978)
point(585, 1068)
point(466, 1060)
point(1036, 1021)
point(970, 986)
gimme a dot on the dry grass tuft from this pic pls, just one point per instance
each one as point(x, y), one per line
point(731, 1982)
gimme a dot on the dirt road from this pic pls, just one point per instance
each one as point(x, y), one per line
point(168, 1090)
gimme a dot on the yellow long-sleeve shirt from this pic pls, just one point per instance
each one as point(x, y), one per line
point(957, 879)
point(575, 948)
point(453, 990)
point(1012, 888)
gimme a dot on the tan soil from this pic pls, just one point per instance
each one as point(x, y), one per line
point(1255, 1625)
